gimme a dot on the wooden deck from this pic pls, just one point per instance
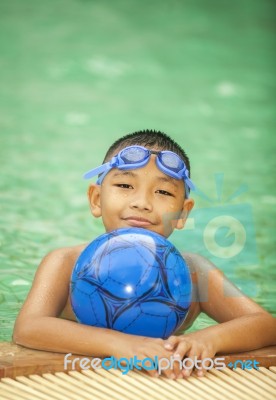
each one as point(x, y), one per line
point(30, 374)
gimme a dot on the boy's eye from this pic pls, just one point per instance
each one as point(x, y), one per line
point(164, 192)
point(123, 185)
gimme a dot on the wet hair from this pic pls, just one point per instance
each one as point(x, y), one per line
point(154, 140)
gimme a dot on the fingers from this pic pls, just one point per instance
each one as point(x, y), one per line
point(206, 362)
point(182, 349)
point(176, 367)
point(152, 372)
point(180, 365)
point(193, 355)
point(174, 358)
point(200, 362)
point(179, 347)
point(155, 358)
point(171, 342)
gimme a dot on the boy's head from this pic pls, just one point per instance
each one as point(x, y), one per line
point(150, 195)
point(151, 139)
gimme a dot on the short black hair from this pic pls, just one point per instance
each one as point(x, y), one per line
point(151, 139)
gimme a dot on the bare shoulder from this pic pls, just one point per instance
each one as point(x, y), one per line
point(56, 267)
point(206, 277)
point(60, 259)
point(198, 263)
point(50, 289)
point(67, 253)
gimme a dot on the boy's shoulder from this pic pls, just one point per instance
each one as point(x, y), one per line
point(70, 251)
point(196, 262)
point(66, 256)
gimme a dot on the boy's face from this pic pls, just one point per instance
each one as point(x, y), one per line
point(143, 197)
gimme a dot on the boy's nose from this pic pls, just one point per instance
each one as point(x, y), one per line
point(141, 202)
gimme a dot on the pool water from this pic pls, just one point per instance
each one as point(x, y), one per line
point(76, 75)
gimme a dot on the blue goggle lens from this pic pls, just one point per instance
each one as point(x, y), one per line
point(171, 161)
point(133, 155)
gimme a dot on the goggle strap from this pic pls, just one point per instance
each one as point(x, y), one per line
point(96, 171)
point(189, 183)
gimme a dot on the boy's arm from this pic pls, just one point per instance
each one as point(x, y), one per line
point(38, 325)
point(243, 324)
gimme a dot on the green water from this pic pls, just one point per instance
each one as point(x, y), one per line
point(76, 75)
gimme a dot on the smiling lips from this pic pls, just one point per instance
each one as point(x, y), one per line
point(138, 221)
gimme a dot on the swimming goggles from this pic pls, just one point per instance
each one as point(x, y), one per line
point(133, 157)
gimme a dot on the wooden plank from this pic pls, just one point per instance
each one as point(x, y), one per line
point(17, 360)
point(226, 384)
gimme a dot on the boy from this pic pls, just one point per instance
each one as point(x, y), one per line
point(145, 177)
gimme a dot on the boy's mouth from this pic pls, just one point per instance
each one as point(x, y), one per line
point(137, 221)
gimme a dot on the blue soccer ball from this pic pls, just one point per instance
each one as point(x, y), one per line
point(131, 280)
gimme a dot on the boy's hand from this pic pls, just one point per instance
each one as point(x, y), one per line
point(128, 346)
point(194, 345)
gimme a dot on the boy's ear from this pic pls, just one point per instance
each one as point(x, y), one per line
point(94, 198)
point(187, 207)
